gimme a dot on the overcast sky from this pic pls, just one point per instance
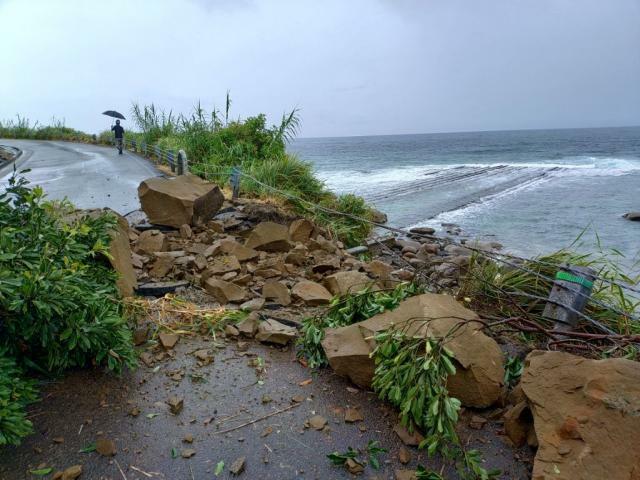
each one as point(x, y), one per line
point(353, 67)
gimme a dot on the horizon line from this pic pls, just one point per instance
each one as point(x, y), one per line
point(464, 131)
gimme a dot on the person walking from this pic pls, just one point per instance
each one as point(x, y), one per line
point(119, 133)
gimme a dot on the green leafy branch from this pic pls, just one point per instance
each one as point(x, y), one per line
point(372, 450)
point(346, 310)
point(411, 373)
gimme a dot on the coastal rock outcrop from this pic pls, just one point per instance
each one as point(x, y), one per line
point(633, 216)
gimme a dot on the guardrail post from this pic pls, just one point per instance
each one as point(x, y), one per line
point(183, 166)
point(156, 152)
point(170, 159)
point(133, 145)
point(572, 288)
point(235, 182)
point(144, 148)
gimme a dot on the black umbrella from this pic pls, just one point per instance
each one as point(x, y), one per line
point(114, 114)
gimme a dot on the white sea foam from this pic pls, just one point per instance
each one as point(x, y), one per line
point(479, 206)
point(363, 181)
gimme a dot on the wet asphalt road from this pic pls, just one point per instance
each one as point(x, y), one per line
point(75, 410)
point(90, 176)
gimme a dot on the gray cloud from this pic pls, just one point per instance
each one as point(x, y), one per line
point(357, 67)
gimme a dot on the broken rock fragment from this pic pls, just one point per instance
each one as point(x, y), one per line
point(105, 447)
point(311, 293)
point(224, 292)
point(72, 473)
point(317, 422)
point(347, 282)
point(278, 291)
point(249, 326)
point(237, 467)
point(168, 340)
point(175, 404)
point(151, 241)
point(352, 415)
point(272, 331)
point(411, 439)
point(300, 230)
point(186, 199)
point(269, 237)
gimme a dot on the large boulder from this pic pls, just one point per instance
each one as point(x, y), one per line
point(479, 374)
point(586, 416)
point(186, 199)
point(269, 237)
point(347, 282)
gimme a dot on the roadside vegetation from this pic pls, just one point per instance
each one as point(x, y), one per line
point(59, 305)
point(518, 289)
point(215, 143)
point(22, 128)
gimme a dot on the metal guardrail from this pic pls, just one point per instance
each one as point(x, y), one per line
point(175, 160)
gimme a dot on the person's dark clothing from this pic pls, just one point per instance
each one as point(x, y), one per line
point(118, 130)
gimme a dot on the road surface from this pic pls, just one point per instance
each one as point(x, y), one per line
point(90, 176)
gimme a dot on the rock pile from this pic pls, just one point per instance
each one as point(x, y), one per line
point(288, 265)
point(440, 261)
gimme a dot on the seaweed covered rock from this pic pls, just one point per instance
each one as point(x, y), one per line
point(479, 371)
point(186, 199)
point(586, 416)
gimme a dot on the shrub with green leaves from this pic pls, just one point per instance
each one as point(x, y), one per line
point(346, 310)
point(16, 393)
point(411, 373)
point(59, 305)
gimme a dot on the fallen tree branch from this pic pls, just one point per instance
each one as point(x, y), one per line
point(258, 419)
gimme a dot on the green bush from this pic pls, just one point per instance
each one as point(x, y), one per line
point(59, 305)
point(16, 393)
point(58, 301)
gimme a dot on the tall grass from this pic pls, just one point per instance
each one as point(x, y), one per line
point(522, 288)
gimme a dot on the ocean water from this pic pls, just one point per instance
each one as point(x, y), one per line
point(535, 191)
